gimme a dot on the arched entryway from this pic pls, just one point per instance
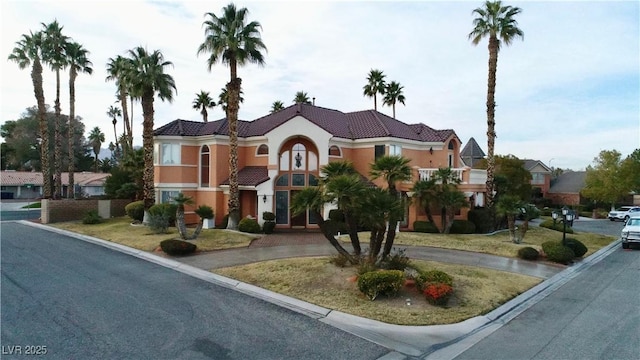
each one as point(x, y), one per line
point(297, 167)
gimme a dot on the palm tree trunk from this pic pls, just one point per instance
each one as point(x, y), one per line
point(147, 144)
point(125, 118)
point(233, 88)
point(205, 115)
point(131, 126)
point(36, 78)
point(182, 229)
point(375, 102)
point(72, 114)
point(57, 152)
point(375, 242)
point(353, 232)
point(491, 123)
point(393, 106)
point(328, 234)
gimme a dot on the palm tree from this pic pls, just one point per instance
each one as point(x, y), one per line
point(28, 51)
point(223, 99)
point(392, 95)
point(113, 113)
point(447, 181)
point(496, 22)
point(424, 192)
point(301, 98)
point(233, 41)
point(202, 102)
point(147, 78)
point(53, 46)
point(203, 211)
point(117, 69)
point(347, 191)
point(96, 138)
point(277, 106)
point(375, 85)
point(78, 63)
point(510, 206)
point(392, 169)
point(378, 207)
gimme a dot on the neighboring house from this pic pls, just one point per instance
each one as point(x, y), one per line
point(282, 152)
point(566, 188)
point(472, 153)
point(28, 185)
point(540, 175)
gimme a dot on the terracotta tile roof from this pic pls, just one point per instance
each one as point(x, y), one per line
point(18, 178)
point(354, 125)
point(251, 176)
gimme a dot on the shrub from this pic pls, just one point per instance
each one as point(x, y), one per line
point(438, 293)
point(177, 247)
point(166, 209)
point(579, 249)
point(159, 222)
point(366, 266)
point(462, 227)
point(135, 210)
point(432, 277)
point(396, 260)
point(224, 223)
point(425, 227)
point(268, 216)
point(204, 212)
point(268, 227)
point(383, 282)
point(559, 253)
point(91, 217)
point(528, 253)
point(558, 227)
point(249, 225)
point(339, 260)
point(481, 218)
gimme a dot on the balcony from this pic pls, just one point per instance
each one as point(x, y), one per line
point(466, 175)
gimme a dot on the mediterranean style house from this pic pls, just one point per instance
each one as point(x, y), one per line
point(280, 153)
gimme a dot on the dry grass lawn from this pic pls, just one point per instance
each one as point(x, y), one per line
point(315, 280)
point(121, 231)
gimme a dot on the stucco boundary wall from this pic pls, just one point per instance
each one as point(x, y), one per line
point(53, 211)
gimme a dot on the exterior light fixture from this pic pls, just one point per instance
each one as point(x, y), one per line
point(431, 150)
point(264, 198)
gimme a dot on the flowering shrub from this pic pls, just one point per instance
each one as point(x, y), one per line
point(438, 293)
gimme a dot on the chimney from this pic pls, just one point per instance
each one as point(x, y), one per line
point(314, 100)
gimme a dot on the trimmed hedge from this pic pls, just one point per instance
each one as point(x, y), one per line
point(559, 254)
point(558, 227)
point(579, 249)
point(482, 220)
point(425, 227)
point(462, 227)
point(528, 253)
point(433, 277)
point(383, 282)
point(135, 210)
point(177, 247)
point(249, 226)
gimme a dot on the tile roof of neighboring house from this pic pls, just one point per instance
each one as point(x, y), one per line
point(530, 164)
point(251, 176)
point(354, 125)
point(472, 153)
point(570, 182)
point(19, 178)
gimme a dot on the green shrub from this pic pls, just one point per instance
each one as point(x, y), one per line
point(159, 222)
point(268, 227)
point(135, 210)
point(204, 212)
point(425, 227)
point(559, 253)
point(366, 266)
point(177, 247)
point(579, 249)
point(558, 227)
point(249, 225)
point(432, 277)
point(91, 217)
point(396, 260)
point(528, 253)
point(548, 245)
point(224, 223)
point(462, 227)
point(383, 282)
point(268, 216)
point(167, 209)
point(336, 215)
point(481, 218)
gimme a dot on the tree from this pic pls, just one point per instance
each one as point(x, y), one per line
point(425, 194)
point(223, 99)
point(377, 209)
point(147, 78)
point(277, 106)
point(375, 85)
point(346, 191)
point(448, 196)
point(516, 180)
point(202, 102)
point(498, 23)
point(28, 51)
point(392, 95)
point(114, 112)
point(118, 69)
point(630, 169)
point(53, 53)
point(510, 206)
point(301, 97)
point(605, 180)
point(392, 169)
point(232, 40)
point(96, 138)
point(78, 63)
point(204, 212)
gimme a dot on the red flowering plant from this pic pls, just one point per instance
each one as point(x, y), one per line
point(438, 293)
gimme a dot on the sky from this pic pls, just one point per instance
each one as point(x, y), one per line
point(568, 90)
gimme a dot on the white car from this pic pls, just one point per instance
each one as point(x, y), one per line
point(624, 213)
point(631, 232)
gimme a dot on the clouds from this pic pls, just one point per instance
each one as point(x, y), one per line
point(573, 82)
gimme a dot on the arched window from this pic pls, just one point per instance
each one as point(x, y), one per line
point(204, 166)
point(452, 145)
point(451, 148)
point(298, 168)
point(334, 151)
point(263, 150)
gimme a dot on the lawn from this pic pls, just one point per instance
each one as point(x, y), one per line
point(121, 231)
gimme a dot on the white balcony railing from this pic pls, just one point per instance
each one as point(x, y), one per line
point(465, 175)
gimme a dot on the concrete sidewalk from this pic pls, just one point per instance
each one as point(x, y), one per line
point(403, 341)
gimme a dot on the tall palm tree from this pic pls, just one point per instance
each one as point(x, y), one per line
point(202, 102)
point(232, 40)
point(114, 112)
point(223, 99)
point(392, 169)
point(277, 106)
point(147, 78)
point(53, 46)
point(392, 95)
point(28, 52)
point(117, 69)
point(78, 63)
point(498, 23)
point(375, 85)
point(96, 138)
point(301, 98)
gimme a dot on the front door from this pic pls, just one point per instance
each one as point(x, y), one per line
point(300, 220)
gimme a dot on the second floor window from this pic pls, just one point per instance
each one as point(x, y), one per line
point(170, 154)
point(395, 150)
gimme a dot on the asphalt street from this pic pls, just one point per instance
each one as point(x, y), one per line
point(83, 301)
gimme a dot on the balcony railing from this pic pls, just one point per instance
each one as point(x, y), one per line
point(465, 175)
